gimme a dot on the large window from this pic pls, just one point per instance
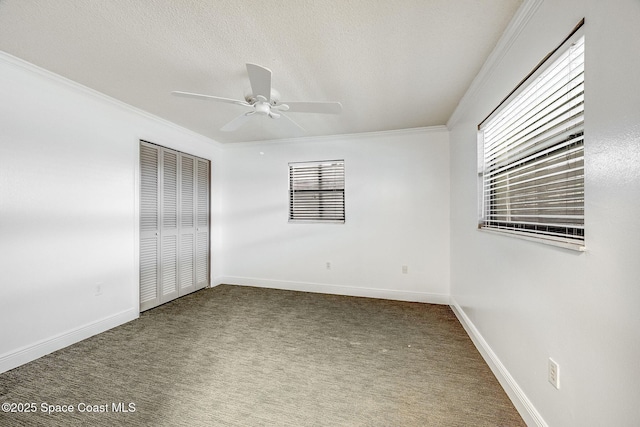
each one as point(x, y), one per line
point(316, 191)
point(532, 153)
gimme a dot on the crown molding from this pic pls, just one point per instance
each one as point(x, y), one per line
point(58, 79)
point(510, 35)
point(344, 137)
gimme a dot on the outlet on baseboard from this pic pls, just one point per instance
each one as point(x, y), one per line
point(405, 269)
point(99, 289)
point(328, 265)
point(554, 373)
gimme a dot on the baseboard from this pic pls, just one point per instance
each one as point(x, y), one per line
point(32, 352)
point(324, 288)
point(524, 406)
point(217, 281)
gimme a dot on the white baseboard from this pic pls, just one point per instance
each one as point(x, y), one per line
point(324, 288)
point(524, 406)
point(32, 352)
point(217, 281)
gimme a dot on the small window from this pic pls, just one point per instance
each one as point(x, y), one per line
point(532, 154)
point(316, 191)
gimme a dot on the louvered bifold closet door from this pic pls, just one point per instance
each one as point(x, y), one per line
point(174, 224)
point(202, 223)
point(169, 226)
point(187, 254)
point(149, 226)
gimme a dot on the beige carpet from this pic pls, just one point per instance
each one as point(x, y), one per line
point(240, 356)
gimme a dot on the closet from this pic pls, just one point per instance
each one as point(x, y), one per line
point(174, 224)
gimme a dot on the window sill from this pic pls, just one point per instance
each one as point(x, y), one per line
point(524, 236)
point(315, 221)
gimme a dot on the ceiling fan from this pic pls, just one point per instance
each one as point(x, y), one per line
point(263, 100)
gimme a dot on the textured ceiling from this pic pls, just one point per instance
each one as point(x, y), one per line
point(392, 64)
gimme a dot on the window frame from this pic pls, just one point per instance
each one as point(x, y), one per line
point(488, 169)
point(330, 184)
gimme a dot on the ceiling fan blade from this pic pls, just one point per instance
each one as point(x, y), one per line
point(260, 79)
point(314, 107)
point(210, 98)
point(291, 123)
point(237, 122)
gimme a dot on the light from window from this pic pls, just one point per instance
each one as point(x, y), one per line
point(316, 191)
point(532, 169)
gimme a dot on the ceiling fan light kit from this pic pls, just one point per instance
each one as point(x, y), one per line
point(265, 101)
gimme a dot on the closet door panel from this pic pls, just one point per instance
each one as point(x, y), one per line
point(202, 223)
point(169, 225)
point(187, 224)
point(149, 226)
point(174, 224)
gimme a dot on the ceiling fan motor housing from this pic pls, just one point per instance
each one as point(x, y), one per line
point(252, 99)
point(262, 108)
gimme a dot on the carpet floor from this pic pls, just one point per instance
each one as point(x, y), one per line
point(242, 356)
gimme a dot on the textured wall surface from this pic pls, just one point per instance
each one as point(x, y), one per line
point(531, 301)
point(397, 213)
point(68, 209)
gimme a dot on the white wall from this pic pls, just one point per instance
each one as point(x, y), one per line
point(527, 302)
point(397, 213)
point(69, 206)
point(69, 209)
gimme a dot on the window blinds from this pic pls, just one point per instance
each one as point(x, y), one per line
point(533, 154)
point(316, 191)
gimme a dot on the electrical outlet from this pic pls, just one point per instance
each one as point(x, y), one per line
point(554, 373)
point(98, 289)
point(405, 269)
point(328, 265)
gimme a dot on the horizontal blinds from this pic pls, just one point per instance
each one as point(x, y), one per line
point(533, 156)
point(316, 191)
